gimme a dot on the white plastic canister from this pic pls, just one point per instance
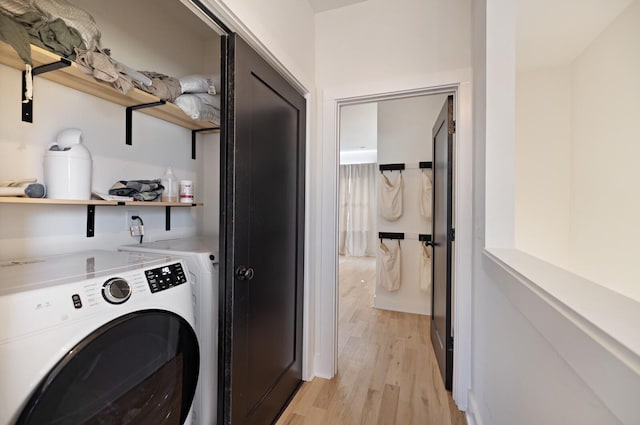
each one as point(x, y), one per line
point(67, 167)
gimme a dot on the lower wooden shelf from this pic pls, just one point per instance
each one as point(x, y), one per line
point(92, 203)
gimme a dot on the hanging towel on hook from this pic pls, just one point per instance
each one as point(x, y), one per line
point(426, 195)
point(390, 266)
point(390, 197)
point(424, 275)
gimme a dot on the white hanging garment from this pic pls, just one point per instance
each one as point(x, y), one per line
point(426, 193)
point(424, 275)
point(390, 198)
point(390, 266)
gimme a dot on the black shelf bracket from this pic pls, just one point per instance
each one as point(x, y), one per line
point(193, 139)
point(167, 218)
point(129, 117)
point(27, 105)
point(425, 164)
point(91, 220)
point(391, 167)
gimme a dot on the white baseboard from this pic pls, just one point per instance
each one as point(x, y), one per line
point(319, 371)
point(473, 413)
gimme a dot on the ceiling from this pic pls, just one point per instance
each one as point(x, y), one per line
point(324, 5)
point(552, 32)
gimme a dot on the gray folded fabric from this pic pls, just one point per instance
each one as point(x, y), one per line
point(16, 36)
point(16, 7)
point(99, 63)
point(140, 190)
point(163, 86)
point(54, 35)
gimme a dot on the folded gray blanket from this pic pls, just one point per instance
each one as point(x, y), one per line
point(140, 190)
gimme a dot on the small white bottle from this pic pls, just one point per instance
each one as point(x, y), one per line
point(170, 183)
point(186, 191)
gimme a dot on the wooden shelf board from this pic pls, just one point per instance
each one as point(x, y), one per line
point(47, 201)
point(75, 78)
point(162, 204)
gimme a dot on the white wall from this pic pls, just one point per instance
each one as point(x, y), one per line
point(162, 24)
point(605, 203)
point(358, 128)
point(359, 133)
point(44, 230)
point(378, 39)
point(576, 134)
point(404, 136)
point(543, 158)
point(530, 358)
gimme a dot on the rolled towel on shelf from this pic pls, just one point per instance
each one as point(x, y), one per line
point(23, 188)
point(197, 109)
point(200, 84)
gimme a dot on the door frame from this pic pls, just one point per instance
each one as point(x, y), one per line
point(327, 164)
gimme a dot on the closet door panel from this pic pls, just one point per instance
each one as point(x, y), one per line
point(264, 237)
point(442, 237)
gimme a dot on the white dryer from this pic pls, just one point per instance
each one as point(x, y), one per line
point(96, 338)
point(200, 254)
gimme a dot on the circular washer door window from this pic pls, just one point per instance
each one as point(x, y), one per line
point(141, 369)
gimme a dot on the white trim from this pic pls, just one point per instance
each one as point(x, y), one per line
point(589, 326)
point(473, 413)
point(307, 329)
point(326, 325)
point(463, 246)
point(327, 304)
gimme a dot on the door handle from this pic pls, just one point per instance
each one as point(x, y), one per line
point(244, 273)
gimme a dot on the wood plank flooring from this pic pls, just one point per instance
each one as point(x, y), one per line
point(387, 372)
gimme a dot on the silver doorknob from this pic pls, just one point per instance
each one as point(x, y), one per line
point(244, 273)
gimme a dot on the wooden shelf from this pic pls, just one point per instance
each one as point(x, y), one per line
point(92, 203)
point(75, 78)
point(47, 201)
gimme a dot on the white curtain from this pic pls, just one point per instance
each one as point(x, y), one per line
point(358, 210)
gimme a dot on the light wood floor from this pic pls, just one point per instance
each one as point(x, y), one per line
point(387, 372)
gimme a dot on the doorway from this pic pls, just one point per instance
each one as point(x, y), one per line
point(389, 139)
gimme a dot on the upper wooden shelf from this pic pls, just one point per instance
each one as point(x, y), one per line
point(75, 78)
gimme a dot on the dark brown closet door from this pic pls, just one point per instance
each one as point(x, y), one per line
point(263, 222)
point(442, 237)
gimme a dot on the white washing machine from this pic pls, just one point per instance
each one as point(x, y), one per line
point(201, 256)
point(96, 338)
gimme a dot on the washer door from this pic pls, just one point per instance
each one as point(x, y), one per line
point(140, 369)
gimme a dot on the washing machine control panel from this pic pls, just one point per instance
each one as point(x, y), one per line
point(165, 277)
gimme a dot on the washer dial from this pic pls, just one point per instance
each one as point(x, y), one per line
point(116, 290)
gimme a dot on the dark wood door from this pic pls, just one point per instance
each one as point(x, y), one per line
point(441, 336)
point(263, 232)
